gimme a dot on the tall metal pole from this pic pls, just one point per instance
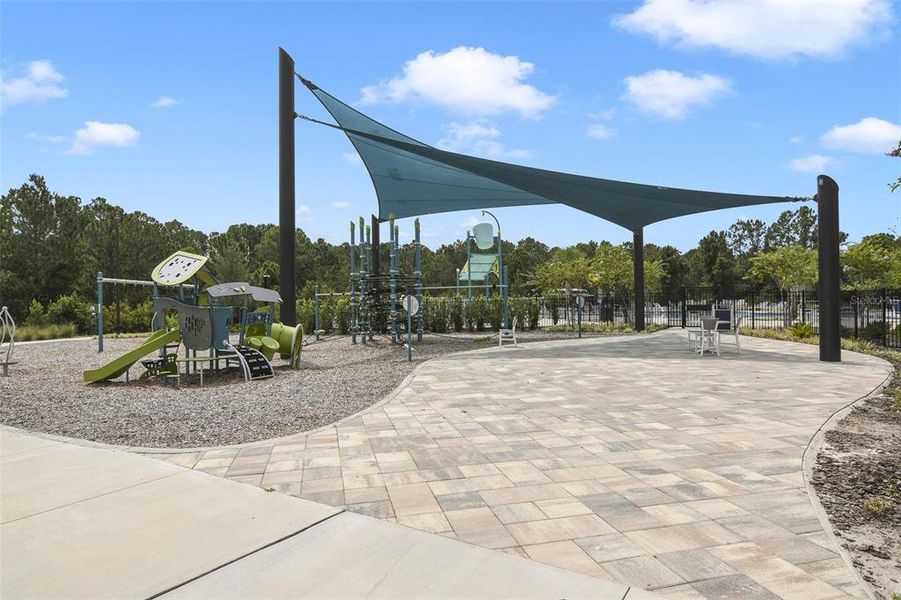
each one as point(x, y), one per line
point(286, 223)
point(371, 286)
point(417, 273)
point(468, 267)
point(376, 271)
point(99, 311)
point(638, 272)
point(392, 272)
point(827, 254)
point(353, 289)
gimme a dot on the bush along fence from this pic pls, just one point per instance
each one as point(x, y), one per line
point(440, 314)
point(872, 315)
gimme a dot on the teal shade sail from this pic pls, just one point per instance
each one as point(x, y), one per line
point(412, 179)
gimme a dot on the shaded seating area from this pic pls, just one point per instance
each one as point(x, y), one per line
point(715, 325)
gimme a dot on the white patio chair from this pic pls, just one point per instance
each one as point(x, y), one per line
point(708, 338)
point(507, 335)
point(694, 333)
point(728, 326)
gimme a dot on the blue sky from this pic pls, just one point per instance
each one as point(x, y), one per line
point(171, 108)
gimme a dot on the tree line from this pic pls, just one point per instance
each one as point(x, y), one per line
point(53, 245)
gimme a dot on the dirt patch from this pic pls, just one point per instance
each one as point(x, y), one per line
point(857, 477)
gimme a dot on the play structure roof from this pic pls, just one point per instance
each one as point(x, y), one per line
point(412, 178)
point(240, 288)
point(482, 265)
point(181, 267)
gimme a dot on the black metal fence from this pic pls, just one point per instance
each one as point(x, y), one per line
point(873, 315)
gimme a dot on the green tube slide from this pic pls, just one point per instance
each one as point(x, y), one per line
point(113, 369)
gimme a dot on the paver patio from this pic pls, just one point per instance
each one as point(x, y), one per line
point(625, 458)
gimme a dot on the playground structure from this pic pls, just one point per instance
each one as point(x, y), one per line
point(7, 340)
point(204, 317)
point(376, 304)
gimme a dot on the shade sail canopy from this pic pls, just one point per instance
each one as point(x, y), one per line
point(412, 179)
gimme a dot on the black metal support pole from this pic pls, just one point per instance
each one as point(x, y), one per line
point(376, 248)
point(376, 271)
point(286, 226)
point(638, 270)
point(827, 250)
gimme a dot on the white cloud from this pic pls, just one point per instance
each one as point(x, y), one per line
point(600, 132)
point(303, 209)
point(39, 83)
point(870, 135)
point(479, 138)
point(465, 80)
point(796, 139)
point(340, 204)
point(50, 139)
point(815, 163)
point(671, 94)
point(96, 134)
point(353, 158)
point(469, 223)
point(764, 28)
point(164, 102)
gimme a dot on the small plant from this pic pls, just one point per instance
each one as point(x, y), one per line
point(801, 330)
point(878, 507)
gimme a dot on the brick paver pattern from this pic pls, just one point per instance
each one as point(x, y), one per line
point(626, 458)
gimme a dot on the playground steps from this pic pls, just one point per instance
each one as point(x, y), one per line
point(251, 361)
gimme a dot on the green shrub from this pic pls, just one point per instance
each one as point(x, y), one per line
point(534, 305)
point(342, 314)
point(71, 309)
point(495, 312)
point(456, 313)
point(801, 330)
point(37, 316)
point(326, 313)
point(874, 331)
point(305, 314)
point(479, 308)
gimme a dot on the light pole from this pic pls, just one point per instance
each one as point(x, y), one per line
point(500, 267)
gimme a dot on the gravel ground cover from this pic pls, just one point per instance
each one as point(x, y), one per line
point(46, 393)
point(857, 477)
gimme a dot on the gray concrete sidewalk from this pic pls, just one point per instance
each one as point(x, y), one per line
point(84, 522)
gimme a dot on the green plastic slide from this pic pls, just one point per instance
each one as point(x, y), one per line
point(113, 369)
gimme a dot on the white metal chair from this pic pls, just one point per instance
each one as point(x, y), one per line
point(728, 325)
point(507, 335)
point(708, 338)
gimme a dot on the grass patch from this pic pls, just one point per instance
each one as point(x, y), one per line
point(31, 333)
